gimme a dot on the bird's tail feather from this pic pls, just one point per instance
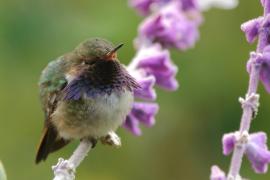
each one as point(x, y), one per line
point(50, 142)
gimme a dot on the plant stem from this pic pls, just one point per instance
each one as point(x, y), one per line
point(248, 110)
point(80, 153)
point(245, 124)
point(65, 169)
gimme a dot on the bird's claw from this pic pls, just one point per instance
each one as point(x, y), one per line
point(111, 139)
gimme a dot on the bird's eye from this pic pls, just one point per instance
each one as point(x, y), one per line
point(91, 62)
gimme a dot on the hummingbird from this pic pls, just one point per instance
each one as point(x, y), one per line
point(85, 94)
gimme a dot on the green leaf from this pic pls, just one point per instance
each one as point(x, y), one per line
point(2, 172)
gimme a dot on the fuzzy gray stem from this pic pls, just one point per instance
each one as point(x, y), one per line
point(65, 169)
point(248, 111)
point(2, 172)
point(245, 125)
point(80, 153)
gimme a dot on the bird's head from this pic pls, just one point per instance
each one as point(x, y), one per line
point(96, 49)
point(96, 69)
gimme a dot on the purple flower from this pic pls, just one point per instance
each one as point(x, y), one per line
point(152, 65)
point(217, 173)
point(174, 23)
point(255, 149)
point(155, 61)
point(171, 27)
point(142, 6)
point(189, 4)
point(228, 142)
point(146, 91)
point(257, 152)
point(141, 112)
point(132, 124)
point(265, 69)
point(251, 29)
point(262, 59)
point(255, 27)
point(263, 2)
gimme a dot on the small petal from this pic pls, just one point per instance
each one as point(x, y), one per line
point(228, 142)
point(189, 4)
point(142, 6)
point(225, 4)
point(259, 138)
point(153, 60)
point(132, 124)
point(265, 76)
point(217, 173)
point(145, 7)
point(167, 80)
point(264, 60)
point(258, 156)
point(263, 2)
point(145, 112)
point(265, 69)
point(141, 113)
point(171, 27)
point(251, 29)
point(146, 91)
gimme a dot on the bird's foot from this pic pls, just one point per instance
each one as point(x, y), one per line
point(94, 142)
point(111, 139)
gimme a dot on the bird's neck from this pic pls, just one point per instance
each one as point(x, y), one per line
point(108, 73)
point(103, 77)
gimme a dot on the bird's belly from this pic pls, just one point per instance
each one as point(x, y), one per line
point(92, 117)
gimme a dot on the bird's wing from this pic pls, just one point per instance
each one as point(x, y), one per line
point(52, 82)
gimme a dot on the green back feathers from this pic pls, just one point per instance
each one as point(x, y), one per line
point(53, 77)
point(52, 80)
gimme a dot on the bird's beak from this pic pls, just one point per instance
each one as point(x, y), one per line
point(117, 47)
point(112, 54)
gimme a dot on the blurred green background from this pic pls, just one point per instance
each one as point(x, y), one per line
point(186, 139)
